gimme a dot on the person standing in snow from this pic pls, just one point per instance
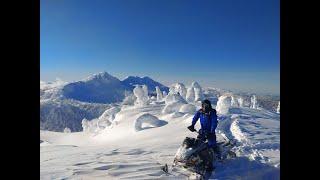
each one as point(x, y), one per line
point(209, 122)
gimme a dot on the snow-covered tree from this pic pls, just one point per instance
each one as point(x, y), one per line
point(198, 94)
point(234, 102)
point(240, 101)
point(254, 103)
point(85, 125)
point(141, 93)
point(164, 94)
point(190, 95)
point(278, 108)
point(223, 104)
point(178, 88)
point(67, 130)
point(159, 94)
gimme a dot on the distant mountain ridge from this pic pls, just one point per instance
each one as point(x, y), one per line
point(130, 81)
point(100, 88)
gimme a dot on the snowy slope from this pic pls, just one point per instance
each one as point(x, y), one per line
point(122, 152)
point(57, 114)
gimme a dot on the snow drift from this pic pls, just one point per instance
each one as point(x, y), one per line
point(149, 120)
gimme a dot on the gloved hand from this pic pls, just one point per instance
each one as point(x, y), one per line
point(191, 128)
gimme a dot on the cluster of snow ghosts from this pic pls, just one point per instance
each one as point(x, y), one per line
point(181, 100)
point(278, 108)
point(146, 121)
point(194, 93)
point(98, 124)
point(141, 94)
point(228, 100)
point(173, 103)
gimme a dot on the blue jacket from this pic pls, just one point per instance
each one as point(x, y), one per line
point(208, 122)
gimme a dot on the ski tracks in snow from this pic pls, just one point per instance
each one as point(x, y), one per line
point(251, 137)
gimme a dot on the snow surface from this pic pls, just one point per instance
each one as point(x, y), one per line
point(120, 152)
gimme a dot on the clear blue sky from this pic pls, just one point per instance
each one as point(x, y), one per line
point(219, 43)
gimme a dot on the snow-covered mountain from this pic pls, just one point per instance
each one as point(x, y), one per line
point(131, 81)
point(99, 88)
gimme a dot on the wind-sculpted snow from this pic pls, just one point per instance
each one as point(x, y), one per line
point(98, 124)
point(188, 108)
point(146, 121)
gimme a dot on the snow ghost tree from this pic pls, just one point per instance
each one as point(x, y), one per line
point(164, 94)
point(173, 103)
point(194, 93)
point(145, 90)
point(240, 101)
point(159, 94)
point(254, 103)
point(85, 125)
point(198, 94)
point(223, 104)
point(141, 94)
point(178, 88)
point(190, 95)
point(171, 98)
point(129, 99)
point(107, 117)
point(67, 130)
point(278, 108)
point(234, 102)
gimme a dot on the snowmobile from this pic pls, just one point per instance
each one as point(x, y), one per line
point(194, 158)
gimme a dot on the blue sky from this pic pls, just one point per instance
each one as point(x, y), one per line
point(219, 43)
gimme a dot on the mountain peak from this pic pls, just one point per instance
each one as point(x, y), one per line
point(101, 76)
